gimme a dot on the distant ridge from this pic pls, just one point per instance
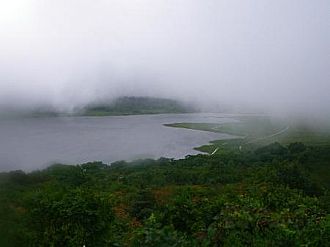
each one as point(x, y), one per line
point(130, 105)
point(127, 105)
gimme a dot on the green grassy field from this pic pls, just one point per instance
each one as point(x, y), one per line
point(253, 132)
point(261, 130)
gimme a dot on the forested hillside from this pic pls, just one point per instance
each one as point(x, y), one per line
point(136, 105)
point(268, 196)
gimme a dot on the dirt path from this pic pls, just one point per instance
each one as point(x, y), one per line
point(214, 151)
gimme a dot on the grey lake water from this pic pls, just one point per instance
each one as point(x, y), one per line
point(34, 143)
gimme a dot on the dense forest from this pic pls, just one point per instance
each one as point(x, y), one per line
point(272, 195)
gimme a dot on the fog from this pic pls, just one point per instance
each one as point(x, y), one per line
point(263, 54)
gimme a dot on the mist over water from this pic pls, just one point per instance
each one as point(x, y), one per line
point(261, 54)
point(35, 143)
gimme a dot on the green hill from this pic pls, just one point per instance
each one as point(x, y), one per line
point(136, 105)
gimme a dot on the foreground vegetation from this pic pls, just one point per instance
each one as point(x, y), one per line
point(273, 195)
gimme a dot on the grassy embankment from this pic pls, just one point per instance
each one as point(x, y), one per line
point(257, 131)
point(253, 132)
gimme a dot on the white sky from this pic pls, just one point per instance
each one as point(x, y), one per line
point(266, 53)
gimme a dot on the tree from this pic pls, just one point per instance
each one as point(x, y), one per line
point(75, 218)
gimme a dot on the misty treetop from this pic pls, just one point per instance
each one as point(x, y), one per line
point(136, 105)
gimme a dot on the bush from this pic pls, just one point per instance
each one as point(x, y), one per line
point(76, 218)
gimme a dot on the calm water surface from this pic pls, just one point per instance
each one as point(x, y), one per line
point(33, 143)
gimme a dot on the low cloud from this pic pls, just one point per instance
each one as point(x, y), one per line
point(271, 55)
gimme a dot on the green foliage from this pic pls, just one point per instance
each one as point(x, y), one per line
point(143, 205)
point(273, 195)
point(75, 218)
point(296, 147)
point(136, 105)
point(153, 235)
